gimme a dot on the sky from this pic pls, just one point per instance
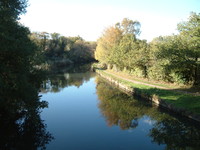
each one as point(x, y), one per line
point(89, 18)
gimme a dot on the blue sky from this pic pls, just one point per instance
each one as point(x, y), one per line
point(88, 18)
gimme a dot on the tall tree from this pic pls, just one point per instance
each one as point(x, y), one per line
point(128, 26)
point(178, 56)
point(11, 10)
point(190, 31)
point(110, 48)
point(18, 55)
point(106, 43)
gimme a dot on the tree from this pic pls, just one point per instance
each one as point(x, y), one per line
point(178, 56)
point(106, 43)
point(156, 69)
point(20, 79)
point(116, 41)
point(18, 58)
point(81, 52)
point(11, 10)
point(128, 26)
point(190, 31)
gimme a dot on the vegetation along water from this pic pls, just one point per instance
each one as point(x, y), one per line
point(45, 107)
point(86, 112)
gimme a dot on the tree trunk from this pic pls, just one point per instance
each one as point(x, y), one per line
point(145, 71)
point(197, 73)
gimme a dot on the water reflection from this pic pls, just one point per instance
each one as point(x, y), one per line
point(124, 111)
point(20, 124)
point(23, 131)
point(61, 78)
point(175, 134)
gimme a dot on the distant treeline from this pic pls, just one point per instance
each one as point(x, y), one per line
point(61, 50)
point(174, 58)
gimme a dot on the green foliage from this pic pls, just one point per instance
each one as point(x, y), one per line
point(82, 51)
point(174, 58)
point(120, 47)
point(190, 31)
point(20, 79)
point(61, 50)
point(10, 10)
point(177, 57)
point(18, 54)
point(116, 41)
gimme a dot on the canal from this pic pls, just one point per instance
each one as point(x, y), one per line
point(87, 113)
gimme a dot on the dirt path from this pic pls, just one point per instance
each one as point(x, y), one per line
point(156, 86)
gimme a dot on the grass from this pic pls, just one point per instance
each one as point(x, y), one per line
point(180, 100)
point(145, 80)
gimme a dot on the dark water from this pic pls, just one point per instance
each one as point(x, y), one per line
point(86, 113)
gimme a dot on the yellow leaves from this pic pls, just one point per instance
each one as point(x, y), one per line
point(116, 41)
point(111, 36)
point(109, 39)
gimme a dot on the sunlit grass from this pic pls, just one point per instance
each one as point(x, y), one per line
point(181, 100)
point(145, 80)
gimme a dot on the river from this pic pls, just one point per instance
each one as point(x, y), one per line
point(86, 113)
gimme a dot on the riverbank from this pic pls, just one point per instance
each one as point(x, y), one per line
point(181, 102)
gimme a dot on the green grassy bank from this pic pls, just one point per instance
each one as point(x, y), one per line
point(179, 99)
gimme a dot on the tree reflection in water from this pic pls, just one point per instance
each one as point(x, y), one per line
point(23, 131)
point(21, 127)
point(72, 76)
point(175, 134)
point(120, 109)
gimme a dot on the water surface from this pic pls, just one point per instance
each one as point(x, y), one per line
point(86, 113)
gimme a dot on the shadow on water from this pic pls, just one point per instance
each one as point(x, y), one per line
point(21, 127)
point(79, 68)
point(124, 111)
point(60, 78)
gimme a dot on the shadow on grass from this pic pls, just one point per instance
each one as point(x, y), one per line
point(180, 100)
point(195, 90)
